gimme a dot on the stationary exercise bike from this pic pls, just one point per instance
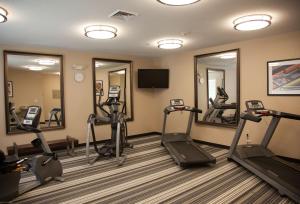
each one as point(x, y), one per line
point(115, 146)
point(45, 167)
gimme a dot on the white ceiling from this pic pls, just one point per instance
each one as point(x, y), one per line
point(60, 23)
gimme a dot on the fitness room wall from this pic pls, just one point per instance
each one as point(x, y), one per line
point(218, 56)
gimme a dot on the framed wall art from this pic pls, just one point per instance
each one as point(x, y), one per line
point(99, 88)
point(284, 77)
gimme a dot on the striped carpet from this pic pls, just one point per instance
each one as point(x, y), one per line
point(149, 175)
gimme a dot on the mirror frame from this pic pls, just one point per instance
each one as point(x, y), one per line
point(7, 52)
point(94, 84)
point(237, 88)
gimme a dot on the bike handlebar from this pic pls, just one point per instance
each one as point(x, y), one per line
point(28, 129)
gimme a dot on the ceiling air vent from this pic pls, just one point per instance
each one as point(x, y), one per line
point(123, 15)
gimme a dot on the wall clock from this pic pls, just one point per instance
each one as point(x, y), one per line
point(78, 76)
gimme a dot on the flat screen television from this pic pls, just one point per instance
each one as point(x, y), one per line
point(153, 78)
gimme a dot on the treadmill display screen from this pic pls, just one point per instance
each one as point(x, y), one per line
point(254, 105)
point(177, 102)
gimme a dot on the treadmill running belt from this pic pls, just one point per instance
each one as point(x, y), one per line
point(275, 167)
point(189, 152)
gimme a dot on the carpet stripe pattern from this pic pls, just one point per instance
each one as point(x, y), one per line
point(149, 175)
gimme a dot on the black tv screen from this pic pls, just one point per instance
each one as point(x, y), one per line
point(153, 78)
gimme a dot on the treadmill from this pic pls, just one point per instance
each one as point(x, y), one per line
point(258, 159)
point(181, 147)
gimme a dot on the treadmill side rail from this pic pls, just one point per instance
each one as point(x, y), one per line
point(181, 147)
point(262, 162)
point(282, 187)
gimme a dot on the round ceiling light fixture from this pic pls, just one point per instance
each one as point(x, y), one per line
point(252, 22)
point(177, 2)
point(229, 55)
point(46, 61)
point(100, 32)
point(170, 44)
point(35, 68)
point(3, 15)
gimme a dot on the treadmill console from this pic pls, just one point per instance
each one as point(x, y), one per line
point(32, 117)
point(254, 105)
point(177, 103)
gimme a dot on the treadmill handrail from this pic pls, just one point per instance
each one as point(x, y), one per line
point(251, 117)
point(284, 115)
point(274, 113)
point(225, 106)
point(170, 109)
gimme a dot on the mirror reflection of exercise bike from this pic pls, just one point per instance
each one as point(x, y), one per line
point(45, 167)
point(217, 108)
point(115, 146)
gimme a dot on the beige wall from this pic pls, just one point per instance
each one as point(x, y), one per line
point(34, 88)
point(254, 56)
point(79, 100)
point(50, 82)
point(149, 104)
point(27, 88)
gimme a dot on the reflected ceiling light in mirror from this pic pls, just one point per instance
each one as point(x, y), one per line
point(177, 2)
point(57, 73)
point(46, 61)
point(121, 72)
point(99, 64)
point(3, 15)
point(170, 44)
point(252, 22)
point(100, 32)
point(35, 68)
point(229, 55)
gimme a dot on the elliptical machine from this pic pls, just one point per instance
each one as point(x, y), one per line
point(115, 146)
point(217, 108)
point(45, 167)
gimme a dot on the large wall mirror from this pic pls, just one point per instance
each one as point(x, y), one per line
point(217, 88)
point(110, 72)
point(33, 79)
